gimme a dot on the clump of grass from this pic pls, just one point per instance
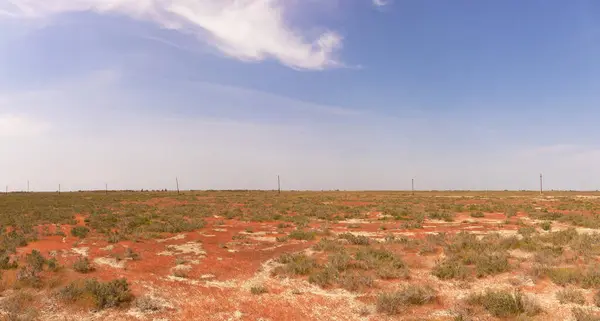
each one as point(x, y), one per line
point(19, 306)
point(477, 214)
point(282, 239)
point(504, 304)
point(597, 299)
point(80, 231)
point(148, 304)
point(581, 314)
point(491, 263)
point(570, 295)
point(105, 294)
point(324, 277)
point(355, 239)
point(546, 225)
point(83, 265)
point(298, 264)
point(302, 235)
point(395, 302)
point(356, 282)
point(328, 245)
point(258, 290)
point(442, 215)
point(386, 263)
point(450, 269)
point(565, 275)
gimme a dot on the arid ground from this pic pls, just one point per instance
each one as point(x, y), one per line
point(250, 255)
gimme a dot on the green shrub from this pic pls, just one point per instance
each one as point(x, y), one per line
point(491, 263)
point(501, 304)
point(299, 264)
point(35, 260)
point(80, 231)
point(450, 269)
point(83, 265)
point(546, 226)
point(302, 235)
point(477, 214)
point(109, 294)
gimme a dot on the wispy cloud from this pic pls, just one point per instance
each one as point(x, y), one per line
point(12, 125)
point(249, 30)
point(381, 3)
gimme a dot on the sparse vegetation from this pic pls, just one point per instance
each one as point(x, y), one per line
point(395, 302)
point(83, 265)
point(105, 294)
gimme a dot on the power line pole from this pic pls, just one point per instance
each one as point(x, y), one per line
point(106, 188)
point(541, 184)
point(278, 185)
point(413, 186)
point(177, 183)
point(59, 189)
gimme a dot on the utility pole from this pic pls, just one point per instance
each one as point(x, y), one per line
point(106, 188)
point(413, 186)
point(278, 185)
point(541, 184)
point(177, 183)
point(59, 189)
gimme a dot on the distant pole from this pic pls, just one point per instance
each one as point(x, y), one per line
point(278, 185)
point(27, 186)
point(177, 183)
point(413, 186)
point(6, 189)
point(541, 184)
point(58, 188)
point(106, 188)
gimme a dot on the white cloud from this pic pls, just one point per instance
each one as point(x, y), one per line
point(249, 30)
point(17, 126)
point(381, 3)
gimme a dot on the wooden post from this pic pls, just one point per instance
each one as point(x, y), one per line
point(413, 186)
point(278, 185)
point(177, 183)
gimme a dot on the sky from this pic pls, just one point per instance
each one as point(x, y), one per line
point(328, 94)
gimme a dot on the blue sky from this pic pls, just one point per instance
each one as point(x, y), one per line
point(329, 94)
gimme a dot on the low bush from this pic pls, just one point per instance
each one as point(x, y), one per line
point(83, 265)
point(80, 231)
point(105, 294)
point(570, 295)
point(504, 304)
point(395, 302)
